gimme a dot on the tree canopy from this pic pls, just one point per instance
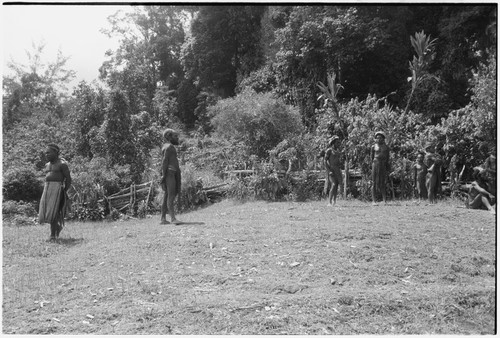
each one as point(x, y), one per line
point(261, 73)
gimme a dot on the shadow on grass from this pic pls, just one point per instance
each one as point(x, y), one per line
point(191, 223)
point(68, 241)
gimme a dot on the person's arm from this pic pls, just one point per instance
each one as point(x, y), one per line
point(489, 166)
point(415, 173)
point(67, 176)
point(327, 160)
point(372, 153)
point(164, 164)
point(430, 163)
point(481, 190)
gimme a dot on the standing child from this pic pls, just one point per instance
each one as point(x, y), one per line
point(419, 174)
point(326, 186)
point(334, 173)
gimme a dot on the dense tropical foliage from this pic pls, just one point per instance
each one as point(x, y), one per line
point(258, 84)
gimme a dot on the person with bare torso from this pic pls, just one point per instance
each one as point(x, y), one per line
point(334, 173)
point(419, 174)
point(171, 176)
point(380, 166)
point(54, 201)
point(490, 167)
point(479, 197)
point(433, 179)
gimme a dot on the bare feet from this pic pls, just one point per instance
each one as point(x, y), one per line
point(163, 221)
point(176, 222)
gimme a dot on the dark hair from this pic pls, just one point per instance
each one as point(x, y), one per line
point(168, 133)
point(54, 146)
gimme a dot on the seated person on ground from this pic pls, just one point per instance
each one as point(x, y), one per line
point(479, 197)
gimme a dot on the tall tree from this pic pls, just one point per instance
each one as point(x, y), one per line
point(89, 106)
point(466, 33)
point(36, 88)
point(116, 129)
point(149, 54)
point(224, 46)
point(317, 40)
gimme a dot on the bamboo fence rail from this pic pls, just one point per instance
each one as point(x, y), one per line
point(127, 199)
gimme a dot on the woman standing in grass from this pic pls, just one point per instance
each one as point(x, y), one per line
point(54, 201)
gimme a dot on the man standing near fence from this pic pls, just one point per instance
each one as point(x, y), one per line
point(380, 166)
point(171, 175)
point(54, 201)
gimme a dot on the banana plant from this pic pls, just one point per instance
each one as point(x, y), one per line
point(329, 92)
point(423, 46)
point(329, 95)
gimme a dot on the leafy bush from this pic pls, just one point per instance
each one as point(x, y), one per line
point(191, 195)
point(215, 156)
point(262, 80)
point(362, 189)
point(270, 187)
point(142, 210)
point(296, 152)
point(92, 180)
point(260, 121)
point(471, 132)
point(266, 185)
point(95, 177)
point(91, 212)
point(239, 190)
point(22, 184)
point(19, 213)
point(305, 187)
point(11, 208)
point(20, 220)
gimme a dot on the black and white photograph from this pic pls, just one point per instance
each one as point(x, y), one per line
point(249, 168)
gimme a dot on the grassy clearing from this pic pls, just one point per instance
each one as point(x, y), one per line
point(258, 268)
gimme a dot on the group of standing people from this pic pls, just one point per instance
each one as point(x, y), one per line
point(379, 155)
point(426, 174)
point(54, 202)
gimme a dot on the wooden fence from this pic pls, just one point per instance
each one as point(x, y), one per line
point(128, 198)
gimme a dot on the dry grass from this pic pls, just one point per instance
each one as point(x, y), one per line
point(258, 268)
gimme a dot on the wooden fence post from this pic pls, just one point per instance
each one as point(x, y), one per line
point(346, 176)
point(132, 199)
